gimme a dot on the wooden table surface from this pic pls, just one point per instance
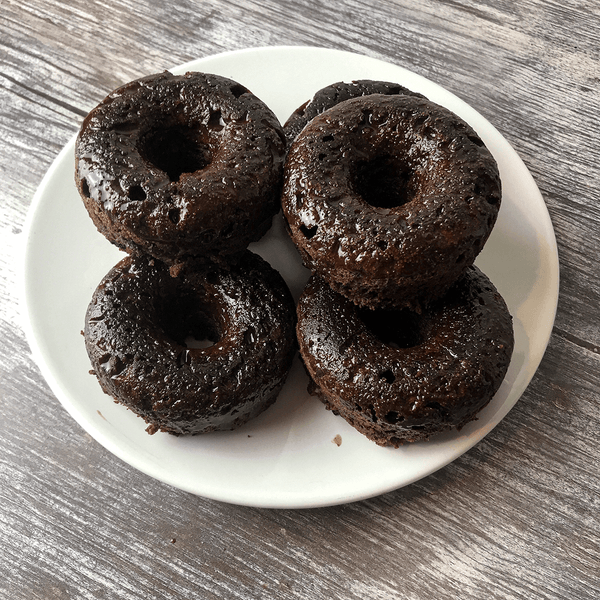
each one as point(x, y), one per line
point(515, 517)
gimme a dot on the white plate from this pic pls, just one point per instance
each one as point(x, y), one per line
point(286, 457)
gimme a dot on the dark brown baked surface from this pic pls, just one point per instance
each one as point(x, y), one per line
point(181, 166)
point(136, 329)
point(335, 93)
point(390, 198)
point(400, 376)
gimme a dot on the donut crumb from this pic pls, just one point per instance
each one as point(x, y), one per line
point(176, 269)
point(337, 440)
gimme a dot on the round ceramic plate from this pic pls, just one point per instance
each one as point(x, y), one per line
point(296, 454)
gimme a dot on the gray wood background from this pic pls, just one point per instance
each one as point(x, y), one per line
point(516, 517)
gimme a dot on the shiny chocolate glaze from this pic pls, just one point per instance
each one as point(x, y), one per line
point(334, 94)
point(139, 332)
point(399, 376)
point(181, 166)
point(390, 198)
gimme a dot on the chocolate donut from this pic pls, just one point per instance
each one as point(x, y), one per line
point(389, 198)
point(334, 94)
point(136, 329)
point(400, 376)
point(180, 166)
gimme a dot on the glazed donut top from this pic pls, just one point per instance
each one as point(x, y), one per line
point(390, 188)
point(136, 329)
point(404, 369)
point(335, 93)
point(170, 158)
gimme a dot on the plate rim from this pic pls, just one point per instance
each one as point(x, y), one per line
point(552, 263)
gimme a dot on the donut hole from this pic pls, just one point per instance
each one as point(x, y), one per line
point(200, 340)
point(186, 320)
point(395, 328)
point(176, 149)
point(383, 182)
point(203, 332)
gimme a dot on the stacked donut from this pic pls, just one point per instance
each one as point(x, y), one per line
point(191, 331)
point(389, 199)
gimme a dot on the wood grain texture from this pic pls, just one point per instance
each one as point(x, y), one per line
point(514, 518)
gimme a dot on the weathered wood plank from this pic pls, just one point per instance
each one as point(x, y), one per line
point(514, 518)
